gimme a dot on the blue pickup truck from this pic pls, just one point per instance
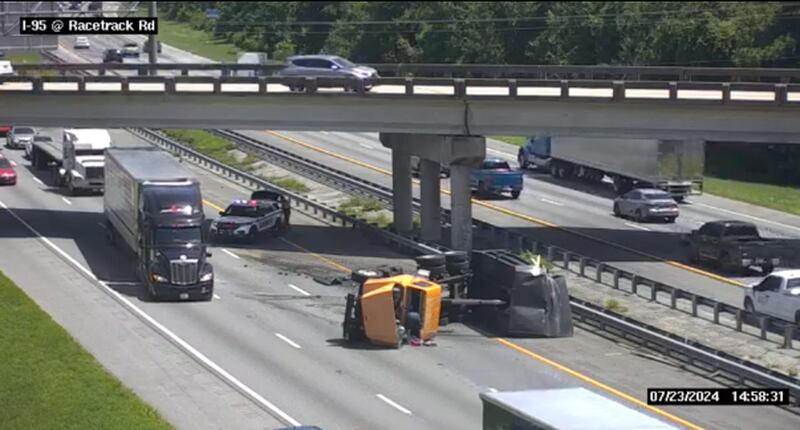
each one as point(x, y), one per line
point(495, 176)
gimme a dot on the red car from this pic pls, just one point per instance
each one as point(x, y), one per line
point(4, 129)
point(8, 175)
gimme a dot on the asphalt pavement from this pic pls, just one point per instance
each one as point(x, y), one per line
point(279, 332)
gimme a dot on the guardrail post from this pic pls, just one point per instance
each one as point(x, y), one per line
point(618, 90)
point(184, 72)
point(763, 324)
point(717, 311)
point(726, 92)
point(582, 263)
point(520, 243)
point(616, 279)
point(635, 284)
point(459, 87)
point(694, 305)
point(125, 86)
point(217, 86)
point(512, 87)
point(409, 86)
point(781, 94)
point(311, 85)
point(739, 319)
point(551, 253)
point(788, 335)
point(169, 85)
point(654, 291)
point(262, 85)
point(673, 298)
point(81, 85)
point(567, 257)
point(564, 89)
point(599, 272)
point(673, 91)
point(36, 84)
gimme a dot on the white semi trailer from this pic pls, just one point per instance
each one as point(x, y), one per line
point(675, 166)
point(77, 160)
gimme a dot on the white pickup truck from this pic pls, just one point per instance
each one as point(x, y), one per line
point(777, 295)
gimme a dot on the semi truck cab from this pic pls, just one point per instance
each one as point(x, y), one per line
point(173, 260)
point(84, 159)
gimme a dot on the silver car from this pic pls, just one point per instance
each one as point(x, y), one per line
point(325, 66)
point(18, 136)
point(645, 204)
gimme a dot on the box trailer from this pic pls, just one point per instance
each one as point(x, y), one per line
point(77, 160)
point(153, 206)
point(675, 166)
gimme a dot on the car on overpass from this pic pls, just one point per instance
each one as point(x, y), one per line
point(645, 204)
point(18, 137)
point(325, 66)
point(777, 295)
point(8, 173)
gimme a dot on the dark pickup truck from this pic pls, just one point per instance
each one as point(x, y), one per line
point(735, 246)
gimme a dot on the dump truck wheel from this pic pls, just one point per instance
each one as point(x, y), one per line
point(347, 325)
point(362, 275)
point(432, 260)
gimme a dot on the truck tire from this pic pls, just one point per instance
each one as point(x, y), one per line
point(452, 257)
point(521, 160)
point(482, 190)
point(252, 235)
point(431, 260)
point(617, 212)
point(515, 194)
point(639, 216)
point(361, 275)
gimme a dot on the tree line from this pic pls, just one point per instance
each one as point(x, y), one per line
point(744, 34)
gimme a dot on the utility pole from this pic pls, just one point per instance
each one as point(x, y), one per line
point(151, 38)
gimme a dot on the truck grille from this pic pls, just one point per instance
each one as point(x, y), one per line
point(94, 173)
point(183, 272)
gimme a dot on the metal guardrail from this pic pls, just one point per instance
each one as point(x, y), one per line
point(738, 370)
point(764, 94)
point(603, 273)
point(494, 71)
point(743, 372)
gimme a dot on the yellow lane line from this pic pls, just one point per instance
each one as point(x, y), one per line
point(326, 260)
point(597, 384)
point(519, 215)
point(516, 347)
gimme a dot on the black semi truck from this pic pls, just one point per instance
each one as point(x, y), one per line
point(154, 207)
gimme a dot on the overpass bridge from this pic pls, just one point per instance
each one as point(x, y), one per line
point(441, 120)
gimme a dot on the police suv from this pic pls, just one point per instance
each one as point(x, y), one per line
point(249, 219)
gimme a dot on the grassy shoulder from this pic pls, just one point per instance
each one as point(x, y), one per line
point(183, 36)
point(50, 381)
point(32, 57)
point(511, 140)
point(786, 199)
point(221, 150)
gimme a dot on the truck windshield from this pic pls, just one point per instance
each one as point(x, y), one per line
point(82, 152)
point(178, 236)
point(165, 199)
point(741, 230)
point(245, 211)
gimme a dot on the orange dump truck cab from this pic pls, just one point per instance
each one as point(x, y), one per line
point(383, 306)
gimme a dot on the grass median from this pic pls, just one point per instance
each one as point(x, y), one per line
point(48, 381)
point(786, 199)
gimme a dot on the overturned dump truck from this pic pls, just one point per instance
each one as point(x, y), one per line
point(495, 288)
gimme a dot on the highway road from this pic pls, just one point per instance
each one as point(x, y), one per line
point(278, 331)
point(651, 250)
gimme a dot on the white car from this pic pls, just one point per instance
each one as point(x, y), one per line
point(81, 42)
point(777, 295)
point(6, 68)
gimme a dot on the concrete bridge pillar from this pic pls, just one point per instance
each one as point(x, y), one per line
point(401, 191)
point(462, 154)
point(431, 197)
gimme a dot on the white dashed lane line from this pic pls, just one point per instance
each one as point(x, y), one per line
point(630, 224)
point(287, 340)
point(38, 181)
point(299, 290)
point(230, 253)
point(393, 404)
point(66, 200)
point(552, 202)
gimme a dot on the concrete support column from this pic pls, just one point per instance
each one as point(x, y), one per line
point(460, 207)
point(401, 190)
point(431, 200)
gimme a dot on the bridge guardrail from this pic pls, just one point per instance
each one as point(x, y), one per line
point(493, 71)
point(764, 94)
